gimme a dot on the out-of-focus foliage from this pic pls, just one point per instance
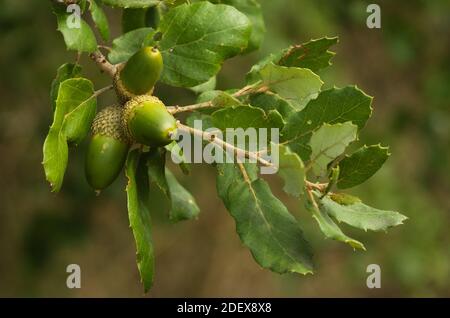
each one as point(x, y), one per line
point(405, 65)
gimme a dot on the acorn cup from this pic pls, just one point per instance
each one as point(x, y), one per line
point(147, 121)
point(107, 150)
point(139, 74)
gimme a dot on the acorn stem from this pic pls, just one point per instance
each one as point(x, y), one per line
point(103, 90)
point(316, 186)
point(105, 47)
point(100, 91)
point(103, 63)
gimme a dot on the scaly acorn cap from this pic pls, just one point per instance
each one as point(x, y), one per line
point(147, 121)
point(108, 122)
point(107, 150)
point(139, 74)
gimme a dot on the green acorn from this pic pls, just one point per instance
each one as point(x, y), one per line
point(139, 75)
point(108, 148)
point(147, 121)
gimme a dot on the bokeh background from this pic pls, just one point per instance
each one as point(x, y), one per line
point(405, 65)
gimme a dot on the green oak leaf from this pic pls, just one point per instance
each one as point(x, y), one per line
point(270, 101)
point(344, 198)
point(296, 85)
point(177, 153)
point(56, 154)
point(227, 173)
point(156, 165)
point(205, 119)
point(64, 72)
point(252, 9)
point(210, 85)
point(245, 127)
point(126, 45)
point(330, 229)
point(208, 96)
point(182, 204)
point(81, 38)
point(77, 123)
point(218, 99)
point(224, 99)
point(197, 38)
point(246, 123)
point(314, 55)
point(72, 93)
point(291, 169)
point(247, 117)
point(139, 215)
point(359, 215)
point(132, 3)
point(361, 165)
point(263, 223)
point(336, 105)
point(328, 142)
point(175, 3)
point(100, 19)
point(332, 178)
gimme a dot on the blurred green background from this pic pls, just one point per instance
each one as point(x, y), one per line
point(405, 65)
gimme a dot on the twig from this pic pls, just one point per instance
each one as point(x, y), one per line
point(316, 186)
point(104, 65)
point(189, 108)
point(66, 2)
point(254, 88)
point(224, 145)
point(105, 47)
point(102, 90)
point(77, 59)
point(210, 137)
point(244, 173)
point(99, 92)
point(313, 201)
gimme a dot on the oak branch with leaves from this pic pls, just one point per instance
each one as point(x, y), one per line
point(282, 91)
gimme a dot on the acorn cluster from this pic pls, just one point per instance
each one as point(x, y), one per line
point(140, 118)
